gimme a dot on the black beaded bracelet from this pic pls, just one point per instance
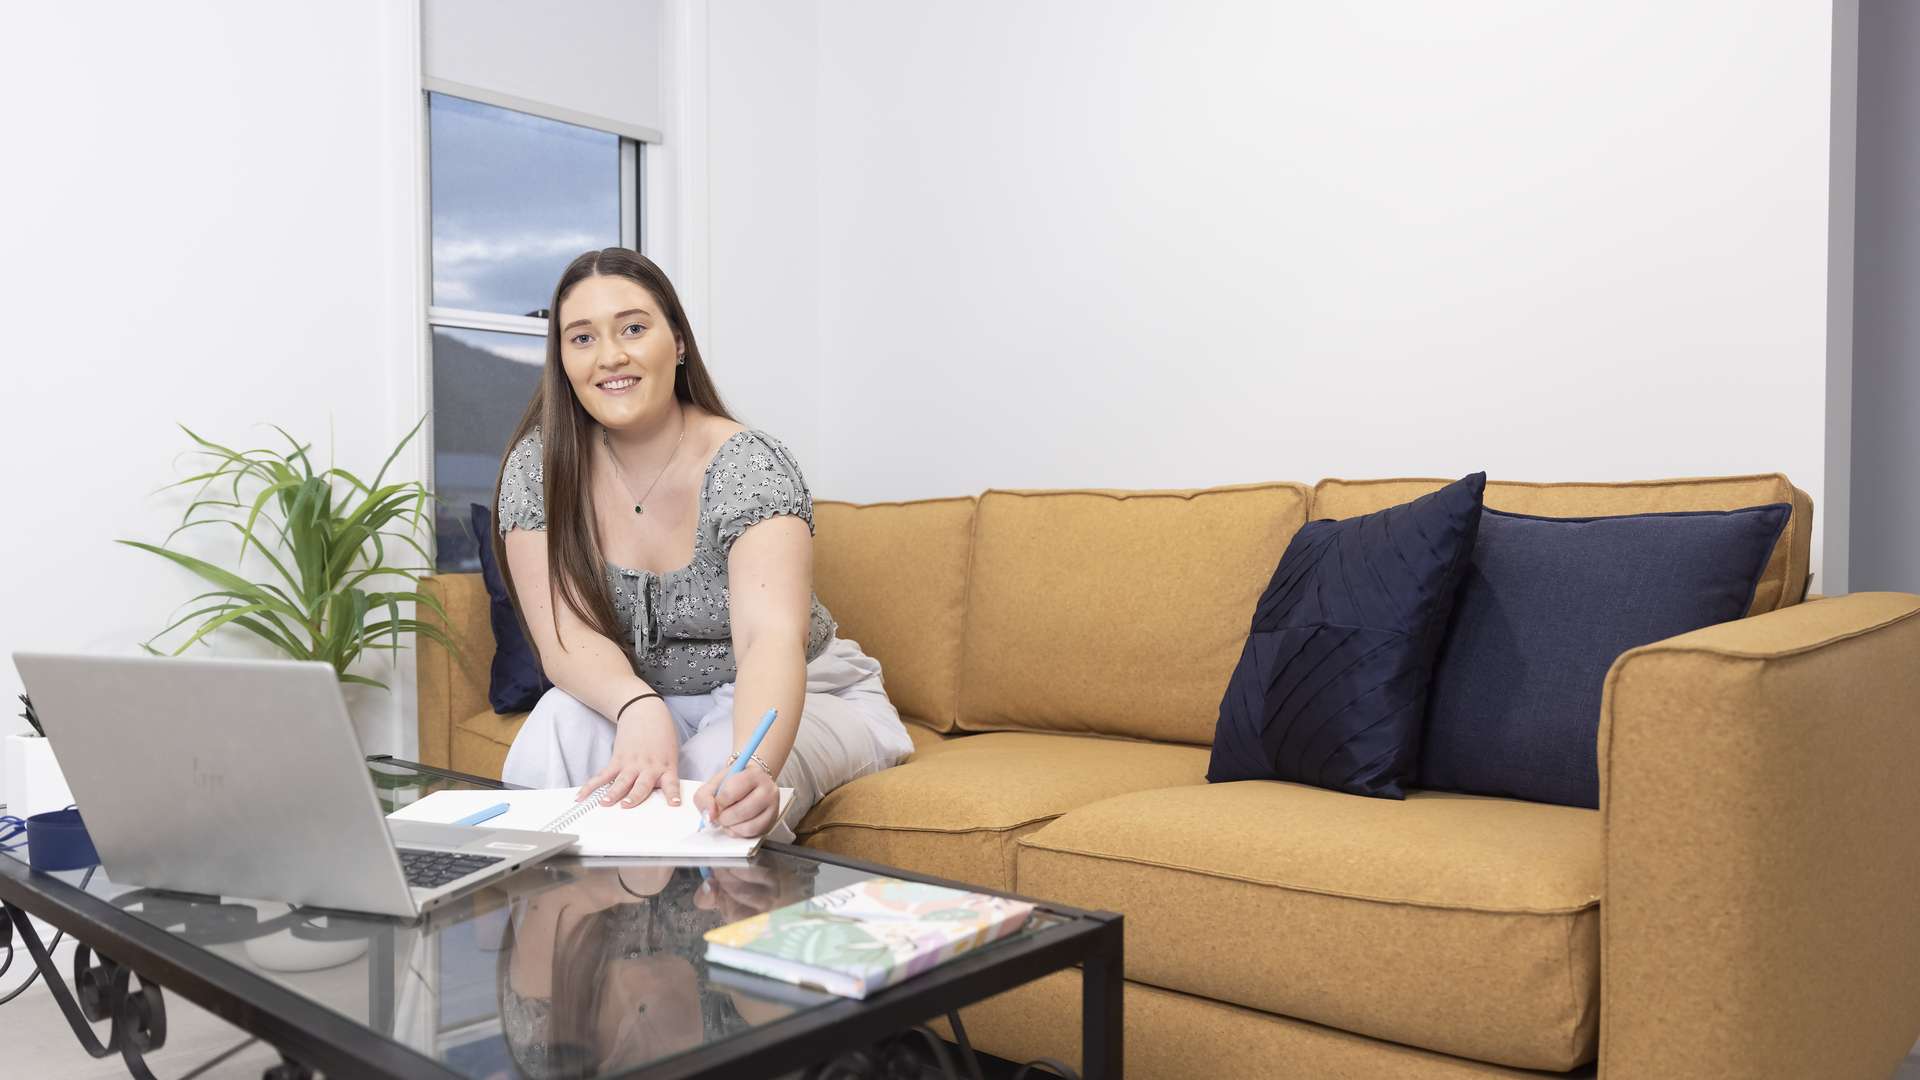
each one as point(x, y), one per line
point(623, 708)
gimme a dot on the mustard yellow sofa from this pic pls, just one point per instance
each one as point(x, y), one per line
point(1745, 902)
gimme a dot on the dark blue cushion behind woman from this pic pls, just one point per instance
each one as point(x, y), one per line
point(1332, 683)
point(516, 681)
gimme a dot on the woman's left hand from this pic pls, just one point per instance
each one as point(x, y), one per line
point(746, 801)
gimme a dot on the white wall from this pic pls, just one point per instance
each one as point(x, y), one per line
point(761, 336)
point(209, 219)
point(1085, 242)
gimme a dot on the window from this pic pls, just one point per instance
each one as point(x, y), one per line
point(513, 198)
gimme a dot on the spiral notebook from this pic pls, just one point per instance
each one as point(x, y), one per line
point(652, 830)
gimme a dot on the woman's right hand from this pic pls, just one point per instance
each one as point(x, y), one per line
point(738, 892)
point(646, 755)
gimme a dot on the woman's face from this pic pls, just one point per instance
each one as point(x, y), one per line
point(618, 351)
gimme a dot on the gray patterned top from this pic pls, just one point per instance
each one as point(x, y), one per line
point(679, 625)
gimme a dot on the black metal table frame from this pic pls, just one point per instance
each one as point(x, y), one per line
point(311, 1036)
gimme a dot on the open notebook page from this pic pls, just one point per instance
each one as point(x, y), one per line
point(653, 829)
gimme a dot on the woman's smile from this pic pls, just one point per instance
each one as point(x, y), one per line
point(619, 384)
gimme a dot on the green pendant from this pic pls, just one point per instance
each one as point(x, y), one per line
point(637, 510)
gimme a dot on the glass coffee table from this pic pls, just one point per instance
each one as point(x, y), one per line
point(575, 967)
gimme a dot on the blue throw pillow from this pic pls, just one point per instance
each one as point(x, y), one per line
point(1332, 683)
point(516, 683)
point(1546, 607)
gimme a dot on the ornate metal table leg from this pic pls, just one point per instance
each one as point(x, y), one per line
point(137, 1018)
point(77, 1017)
point(288, 1069)
point(139, 1021)
point(895, 1058)
point(967, 1057)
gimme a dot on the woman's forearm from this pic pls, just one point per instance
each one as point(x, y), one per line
point(597, 673)
point(595, 669)
point(771, 673)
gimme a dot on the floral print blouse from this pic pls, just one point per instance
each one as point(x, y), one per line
point(679, 626)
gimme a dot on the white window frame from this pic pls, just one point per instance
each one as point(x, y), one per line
point(633, 207)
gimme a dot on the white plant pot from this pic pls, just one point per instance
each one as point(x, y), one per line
point(34, 783)
point(283, 952)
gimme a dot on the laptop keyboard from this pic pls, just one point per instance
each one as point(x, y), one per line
point(432, 869)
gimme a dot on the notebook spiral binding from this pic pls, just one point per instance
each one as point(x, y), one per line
point(577, 811)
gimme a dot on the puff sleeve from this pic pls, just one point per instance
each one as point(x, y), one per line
point(523, 496)
point(755, 477)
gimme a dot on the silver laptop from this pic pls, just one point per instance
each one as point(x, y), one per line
point(244, 778)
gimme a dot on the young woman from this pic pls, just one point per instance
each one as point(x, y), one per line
point(661, 557)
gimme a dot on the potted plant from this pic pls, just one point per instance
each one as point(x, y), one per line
point(332, 552)
point(32, 777)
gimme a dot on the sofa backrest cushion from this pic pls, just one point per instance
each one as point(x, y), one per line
point(894, 576)
point(1782, 584)
point(1115, 612)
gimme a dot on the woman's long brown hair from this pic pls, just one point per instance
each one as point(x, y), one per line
point(576, 571)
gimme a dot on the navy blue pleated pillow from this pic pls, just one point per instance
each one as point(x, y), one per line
point(1332, 683)
point(1546, 607)
point(516, 682)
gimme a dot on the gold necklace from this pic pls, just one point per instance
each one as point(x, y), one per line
point(622, 473)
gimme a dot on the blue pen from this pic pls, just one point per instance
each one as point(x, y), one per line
point(488, 814)
point(766, 725)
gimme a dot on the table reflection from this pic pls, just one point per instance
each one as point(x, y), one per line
point(608, 970)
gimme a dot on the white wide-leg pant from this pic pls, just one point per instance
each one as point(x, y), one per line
point(848, 729)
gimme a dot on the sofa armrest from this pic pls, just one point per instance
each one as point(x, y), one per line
point(452, 690)
point(1757, 782)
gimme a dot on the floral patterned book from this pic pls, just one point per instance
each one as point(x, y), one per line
point(866, 936)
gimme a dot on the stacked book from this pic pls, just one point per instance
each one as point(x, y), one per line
point(867, 936)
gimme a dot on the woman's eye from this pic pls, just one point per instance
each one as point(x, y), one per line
point(635, 326)
point(577, 338)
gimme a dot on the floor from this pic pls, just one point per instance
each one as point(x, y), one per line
point(39, 1044)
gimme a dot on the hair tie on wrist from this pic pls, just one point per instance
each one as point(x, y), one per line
point(642, 697)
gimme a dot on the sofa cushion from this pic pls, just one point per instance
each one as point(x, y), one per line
point(1457, 923)
point(517, 681)
point(956, 812)
point(1332, 685)
point(480, 742)
point(925, 739)
point(895, 577)
point(1782, 584)
point(1547, 606)
point(1117, 613)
